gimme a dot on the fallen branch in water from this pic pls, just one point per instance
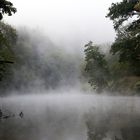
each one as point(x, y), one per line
point(2, 62)
point(2, 116)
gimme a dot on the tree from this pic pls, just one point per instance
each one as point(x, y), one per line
point(7, 42)
point(127, 43)
point(121, 11)
point(6, 7)
point(7, 37)
point(96, 67)
point(7, 33)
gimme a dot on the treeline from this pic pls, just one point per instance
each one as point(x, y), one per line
point(36, 63)
point(29, 60)
point(119, 70)
point(106, 73)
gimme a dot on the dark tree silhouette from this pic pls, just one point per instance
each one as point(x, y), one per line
point(6, 7)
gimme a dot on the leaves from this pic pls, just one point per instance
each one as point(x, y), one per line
point(6, 7)
point(96, 67)
point(121, 11)
point(127, 42)
point(7, 41)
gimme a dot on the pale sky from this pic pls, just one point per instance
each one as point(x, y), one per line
point(66, 22)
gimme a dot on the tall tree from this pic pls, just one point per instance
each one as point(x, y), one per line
point(127, 43)
point(7, 33)
point(7, 38)
point(96, 67)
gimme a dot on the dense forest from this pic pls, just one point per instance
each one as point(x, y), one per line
point(31, 63)
point(118, 70)
point(33, 68)
point(24, 66)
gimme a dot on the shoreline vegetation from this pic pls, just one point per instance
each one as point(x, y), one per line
point(23, 65)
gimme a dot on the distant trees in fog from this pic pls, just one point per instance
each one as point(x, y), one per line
point(38, 63)
point(30, 60)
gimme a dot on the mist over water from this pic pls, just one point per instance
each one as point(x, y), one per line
point(55, 100)
point(69, 116)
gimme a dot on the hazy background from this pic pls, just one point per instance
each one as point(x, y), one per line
point(59, 103)
point(69, 23)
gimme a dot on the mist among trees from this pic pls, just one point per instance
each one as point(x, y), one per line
point(31, 63)
point(118, 70)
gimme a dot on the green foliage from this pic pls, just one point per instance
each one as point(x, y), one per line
point(123, 60)
point(96, 67)
point(7, 33)
point(6, 7)
point(37, 69)
point(121, 11)
point(129, 52)
point(7, 41)
point(127, 43)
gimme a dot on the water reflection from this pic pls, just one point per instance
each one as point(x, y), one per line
point(70, 117)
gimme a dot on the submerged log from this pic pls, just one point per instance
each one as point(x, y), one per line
point(10, 62)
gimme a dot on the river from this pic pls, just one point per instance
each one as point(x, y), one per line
point(71, 116)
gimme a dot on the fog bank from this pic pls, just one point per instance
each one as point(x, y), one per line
point(69, 116)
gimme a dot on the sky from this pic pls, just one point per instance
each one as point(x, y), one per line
point(66, 22)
